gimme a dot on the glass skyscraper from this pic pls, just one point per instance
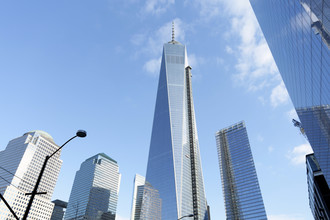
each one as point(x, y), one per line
point(297, 33)
point(138, 189)
point(59, 209)
point(318, 190)
point(95, 189)
point(20, 164)
point(240, 186)
point(174, 171)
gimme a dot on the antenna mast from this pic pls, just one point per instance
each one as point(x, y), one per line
point(172, 30)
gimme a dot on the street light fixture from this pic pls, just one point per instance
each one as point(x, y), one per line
point(80, 133)
point(191, 215)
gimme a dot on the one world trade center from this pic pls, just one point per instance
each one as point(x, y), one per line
point(174, 181)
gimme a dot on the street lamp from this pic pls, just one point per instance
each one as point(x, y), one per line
point(80, 133)
point(191, 215)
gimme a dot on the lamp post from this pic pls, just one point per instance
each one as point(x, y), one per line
point(80, 133)
point(191, 215)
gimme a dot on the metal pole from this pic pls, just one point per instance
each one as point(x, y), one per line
point(11, 210)
point(34, 192)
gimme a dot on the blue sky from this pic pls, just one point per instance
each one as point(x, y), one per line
point(94, 65)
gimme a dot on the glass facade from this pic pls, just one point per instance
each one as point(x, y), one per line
point(138, 189)
point(20, 164)
point(174, 166)
point(242, 195)
point(318, 190)
point(59, 209)
point(95, 189)
point(297, 33)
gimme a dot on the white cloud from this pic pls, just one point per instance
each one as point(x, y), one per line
point(279, 95)
point(150, 43)
point(286, 217)
point(157, 7)
point(194, 60)
point(260, 138)
point(138, 39)
point(297, 155)
point(229, 50)
point(255, 66)
point(292, 114)
point(270, 149)
point(151, 46)
point(262, 100)
point(152, 66)
point(220, 61)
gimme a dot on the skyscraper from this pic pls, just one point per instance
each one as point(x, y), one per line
point(95, 189)
point(174, 171)
point(20, 164)
point(318, 190)
point(240, 184)
point(59, 209)
point(138, 189)
point(297, 33)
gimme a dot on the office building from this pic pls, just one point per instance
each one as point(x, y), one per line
point(318, 190)
point(240, 186)
point(20, 164)
point(138, 189)
point(297, 33)
point(59, 209)
point(95, 189)
point(174, 169)
point(151, 204)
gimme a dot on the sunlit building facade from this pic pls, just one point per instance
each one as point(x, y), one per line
point(174, 169)
point(242, 195)
point(20, 164)
point(318, 190)
point(138, 189)
point(297, 33)
point(95, 189)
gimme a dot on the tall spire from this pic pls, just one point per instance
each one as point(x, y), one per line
point(172, 30)
point(173, 40)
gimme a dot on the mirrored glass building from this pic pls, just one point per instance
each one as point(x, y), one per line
point(297, 33)
point(95, 189)
point(318, 190)
point(174, 167)
point(242, 195)
point(138, 189)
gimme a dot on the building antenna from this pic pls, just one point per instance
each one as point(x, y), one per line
point(172, 30)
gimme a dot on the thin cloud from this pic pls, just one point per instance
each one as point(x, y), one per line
point(157, 7)
point(255, 67)
point(292, 114)
point(194, 60)
point(270, 149)
point(297, 154)
point(151, 46)
point(152, 66)
point(279, 95)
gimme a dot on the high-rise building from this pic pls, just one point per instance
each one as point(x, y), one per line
point(59, 209)
point(95, 189)
point(20, 164)
point(318, 190)
point(297, 33)
point(138, 189)
point(174, 171)
point(240, 186)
